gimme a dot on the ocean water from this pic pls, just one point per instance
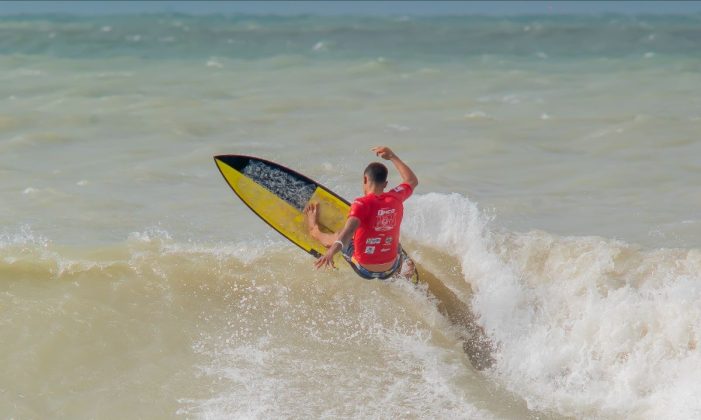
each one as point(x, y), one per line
point(560, 187)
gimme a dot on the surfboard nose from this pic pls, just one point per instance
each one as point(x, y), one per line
point(237, 162)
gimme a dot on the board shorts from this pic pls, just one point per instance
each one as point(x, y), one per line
point(396, 270)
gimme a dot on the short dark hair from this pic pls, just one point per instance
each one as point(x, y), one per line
point(376, 173)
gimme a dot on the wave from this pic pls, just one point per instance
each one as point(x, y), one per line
point(273, 327)
point(586, 326)
point(581, 326)
point(27, 256)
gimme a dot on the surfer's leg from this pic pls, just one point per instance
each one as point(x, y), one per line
point(312, 213)
point(407, 268)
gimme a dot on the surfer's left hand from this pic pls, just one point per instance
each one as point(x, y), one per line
point(384, 152)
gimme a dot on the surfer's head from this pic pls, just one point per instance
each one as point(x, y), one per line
point(375, 175)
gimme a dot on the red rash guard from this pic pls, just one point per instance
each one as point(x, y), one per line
point(376, 240)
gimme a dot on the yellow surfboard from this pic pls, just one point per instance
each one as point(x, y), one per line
point(278, 195)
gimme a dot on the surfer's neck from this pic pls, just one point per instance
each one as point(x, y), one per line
point(374, 189)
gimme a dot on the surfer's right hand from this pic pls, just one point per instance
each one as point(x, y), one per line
point(325, 261)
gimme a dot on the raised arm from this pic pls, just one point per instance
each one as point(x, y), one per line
point(405, 172)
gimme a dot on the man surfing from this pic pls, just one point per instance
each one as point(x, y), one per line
point(369, 241)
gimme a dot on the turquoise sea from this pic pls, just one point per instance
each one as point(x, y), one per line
point(560, 188)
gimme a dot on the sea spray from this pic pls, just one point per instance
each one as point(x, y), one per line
point(586, 325)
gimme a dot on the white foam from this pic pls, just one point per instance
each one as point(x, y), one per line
point(149, 235)
point(25, 235)
point(477, 115)
point(159, 241)
point(214, 62)
point(26, 246)
point(261, 378)
point(585, 326)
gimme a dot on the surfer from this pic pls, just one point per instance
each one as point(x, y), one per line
point(370, 238)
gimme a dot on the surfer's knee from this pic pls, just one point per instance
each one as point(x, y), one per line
point(408, 270)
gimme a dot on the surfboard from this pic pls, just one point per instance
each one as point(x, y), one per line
point(278, 195)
